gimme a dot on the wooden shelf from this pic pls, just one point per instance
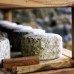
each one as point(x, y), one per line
point(34, 3)
point(64, 61)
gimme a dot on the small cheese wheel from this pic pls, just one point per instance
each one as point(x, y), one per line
point(46, 46)
point(4, 48)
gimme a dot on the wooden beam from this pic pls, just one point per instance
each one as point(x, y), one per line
point(67, 53)
point(9, 63)
point(73, 32)
point(37, 3)
point(8, 15)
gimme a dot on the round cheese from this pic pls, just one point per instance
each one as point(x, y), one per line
point(16, 36)
point(46, 46)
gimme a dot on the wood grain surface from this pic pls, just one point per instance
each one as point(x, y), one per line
point(59, 71)
point(9, 63)
point(35, 3)
point(65, 63)
point(67, 53)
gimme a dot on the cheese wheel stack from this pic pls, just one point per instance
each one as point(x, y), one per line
point(47, 46)
point(16, 36)
point(4, 48)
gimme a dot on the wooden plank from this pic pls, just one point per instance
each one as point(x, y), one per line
point(36, 3)
point(64, 63)
point(59, 71)
point(67, 53)
point(8, 15)
point(9, 63)
point(73, 33)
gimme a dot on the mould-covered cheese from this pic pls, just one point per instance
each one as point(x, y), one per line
point(4, 48)
point(47, 46)
point(16, 37)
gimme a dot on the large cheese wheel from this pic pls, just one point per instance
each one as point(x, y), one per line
point(4, 48)
point(47, 46)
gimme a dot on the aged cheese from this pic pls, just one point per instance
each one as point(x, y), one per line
point(47, 46)
point(16, 36)
point(4, 48)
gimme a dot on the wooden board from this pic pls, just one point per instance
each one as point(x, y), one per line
point(59, 71)
point(57, 64)
point(67, 53)
point(35, 3)
point(46, 67)
point(64, 61)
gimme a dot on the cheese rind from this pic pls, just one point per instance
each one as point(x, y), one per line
point(47, 46)
point(16, 36)
point(4, 48)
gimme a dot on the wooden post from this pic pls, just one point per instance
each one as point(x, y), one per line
point(8, 15)
point(73, 32)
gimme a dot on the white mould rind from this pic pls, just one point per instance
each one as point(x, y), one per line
point(4, 48)
point(47, 46)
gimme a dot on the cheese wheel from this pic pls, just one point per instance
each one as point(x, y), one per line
point(16, 36)
point(46, 46)
point(4, 48)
